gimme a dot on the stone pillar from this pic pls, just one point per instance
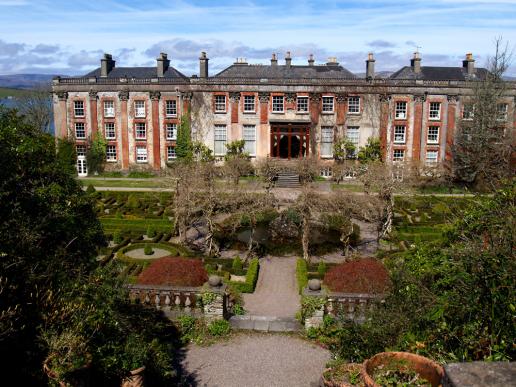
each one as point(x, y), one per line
point(62, 123)
point(384, 124)
point(156, 145)
point(315, 111)
point(419, 100)
point(93, 113)
point(450, 128)
point(124, 96)
point(216, 309)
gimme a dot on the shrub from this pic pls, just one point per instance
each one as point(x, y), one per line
point(119, 215)
point(354, 239)
point(151, 232)
point(90, 190)
point(175, 271)
point(367, 275)
point(132, 202)
point(117, 237)
point(237, 264)
point(321, 268)
point(147, 250)
point(219, 328)
point(250, 278)
point(301, 274)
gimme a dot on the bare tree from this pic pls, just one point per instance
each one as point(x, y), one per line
point(36, 107)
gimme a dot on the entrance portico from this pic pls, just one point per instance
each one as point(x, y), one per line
point(290, 140)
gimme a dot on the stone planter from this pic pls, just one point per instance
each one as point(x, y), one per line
point(330, 382)
point(426, 368)
point(135, 379)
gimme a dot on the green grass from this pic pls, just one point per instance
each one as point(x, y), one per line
point(141, 175)
point(122, 183)
point(348, 187)
point(135, 225)
point(6, 92)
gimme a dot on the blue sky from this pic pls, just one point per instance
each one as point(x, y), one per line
point(69, 37)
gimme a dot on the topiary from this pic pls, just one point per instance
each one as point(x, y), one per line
point(151, 233)
point(147, 250)
point(237, 264)
point(117, 237)
point(321, 268)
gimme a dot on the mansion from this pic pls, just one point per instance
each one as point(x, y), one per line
point(281, 110)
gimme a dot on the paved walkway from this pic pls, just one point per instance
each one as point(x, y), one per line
point(276, 292)
point(252, 360)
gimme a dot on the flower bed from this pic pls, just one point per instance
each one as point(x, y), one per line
point(174, 271)
point(366, 275)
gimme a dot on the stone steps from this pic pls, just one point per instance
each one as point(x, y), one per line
point(287, 180)
point(265, 323)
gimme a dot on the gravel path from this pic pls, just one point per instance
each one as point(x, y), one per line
point(140, 253)
point(276, 292)
point(253, 360)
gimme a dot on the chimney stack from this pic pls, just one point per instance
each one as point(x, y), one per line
point(288, 60)
point(370, 66)
point(162, 64)
point(332, 61)
point(203, 65)
point(311, 60)
point(469, 64)
point(274, 60)
point(106, 65)
point(416, 63)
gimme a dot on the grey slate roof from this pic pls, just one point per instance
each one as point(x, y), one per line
point(136, 72)
point(285, 72)
point(431, 73)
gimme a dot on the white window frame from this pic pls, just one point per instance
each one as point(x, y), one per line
point(220, 103)
point(80, 150)
point(354, 105)
point(400, 134)
point(434, 114)
point(171, 153)
point(502, 110)
point(171, 131)
point(304, 105)
point(398, 158)
point(353, 135)
point(109, 111)
point(400, 110)
point(432, 160)
point(171, 111)
point(249, 104)
point(110, 153)
point(249, 136)
point(139, 109)
point(109, 134)
point(138, 131)
point(430, 136)
point(83, 130)
point(278, 101)
point(328, 104)
point(327, 133)
point(468, 113)
point(220, 136)
point(78, 108)
point(141, 154)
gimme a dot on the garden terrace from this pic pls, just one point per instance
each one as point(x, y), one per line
point(366, 275)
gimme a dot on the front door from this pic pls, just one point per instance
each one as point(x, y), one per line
point(82, 169)
point(289, 141)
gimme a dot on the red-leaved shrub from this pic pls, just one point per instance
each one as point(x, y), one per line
point(366, 275)
point(174, 271)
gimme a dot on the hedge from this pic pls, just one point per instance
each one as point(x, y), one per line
point(301, 274)
point(250, 279)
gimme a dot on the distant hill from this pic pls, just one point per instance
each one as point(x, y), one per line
point(379, 74)
point(25, 81)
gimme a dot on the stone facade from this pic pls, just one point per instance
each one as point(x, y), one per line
point(415, 112)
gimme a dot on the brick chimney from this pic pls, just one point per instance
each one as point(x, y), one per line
point(469, 64)
point(288, 60)
point(274, 60)
point(311, 60)
point(106, 65)
point(203, 65)
point(415, 63)
point(370, 66)
point(163, 64)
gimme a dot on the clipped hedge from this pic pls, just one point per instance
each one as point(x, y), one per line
point(174, 250)
point(175, 271)
point(250, 279)
point(301, 274)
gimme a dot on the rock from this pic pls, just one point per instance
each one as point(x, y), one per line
point(314, 284)
point(215, 280)
point(480, 374)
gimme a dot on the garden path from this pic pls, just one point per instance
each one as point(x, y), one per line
point(253, 360)
point(276, 292)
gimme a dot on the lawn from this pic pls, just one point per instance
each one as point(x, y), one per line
point(135, 225)
point(129, 183)
point(6, 92)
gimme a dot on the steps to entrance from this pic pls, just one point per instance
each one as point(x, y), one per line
point(265, 323)
point(287, 180)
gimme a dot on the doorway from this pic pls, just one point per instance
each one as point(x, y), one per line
point(289, 140)
point(82, 169)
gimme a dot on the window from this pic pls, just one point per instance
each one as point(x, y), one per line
point(435, 111)
point(302, 104)
point(111, 152)
point(501, 110)
point(249, 103)
point(468, 111)
point(139, 108)
point(171, 131)
point(327, 141)
point(80, 150)
point(398, 155)
point(327, 104)
point(141, 154)
point(354, 105)
point(401, 110)
point(432, 136)
point(171, 108)
point(399, 134)
point(78, 108)
point(80, 131)
point(277, 103)
point(250, 139)
point(171, 152)
point(431, 156)
point(109, 109)
point(109, 130)
point(141, 131)
point(220, 140)
point(220, 103)
point(353, 135)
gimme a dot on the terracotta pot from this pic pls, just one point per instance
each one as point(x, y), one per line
point(330, 383)
point(427, 368)
point(136, 378)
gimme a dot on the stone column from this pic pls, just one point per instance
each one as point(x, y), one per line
point(156, 145)
point(384, 124)
point(419, 100)
point(93, 113)
point(124, 96)
point(61, 121)
point(450, 128)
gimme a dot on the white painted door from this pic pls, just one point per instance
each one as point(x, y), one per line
point(82, 169)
